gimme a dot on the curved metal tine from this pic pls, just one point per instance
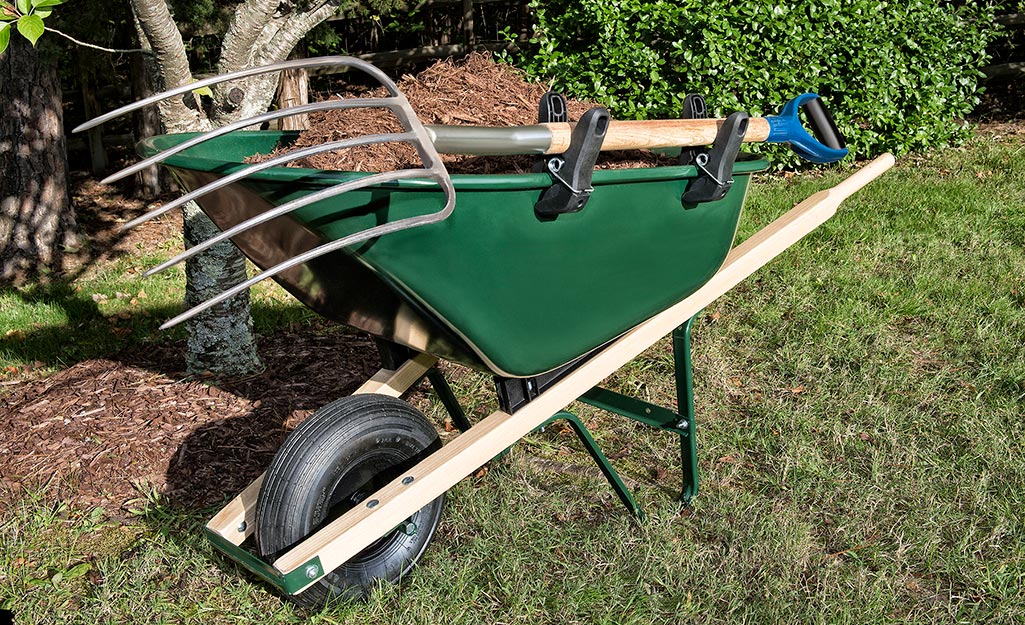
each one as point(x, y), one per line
point(272, 162)
point(288, 207)
point(324, 61)
point(390, 103)
point(410, 222)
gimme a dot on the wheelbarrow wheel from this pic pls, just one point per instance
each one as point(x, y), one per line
point(334, 460)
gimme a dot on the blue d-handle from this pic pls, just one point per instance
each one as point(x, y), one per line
point(786, 128)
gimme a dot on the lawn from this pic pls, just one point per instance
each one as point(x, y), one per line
point(860, 431)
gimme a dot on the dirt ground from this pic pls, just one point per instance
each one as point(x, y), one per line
point(113, 429)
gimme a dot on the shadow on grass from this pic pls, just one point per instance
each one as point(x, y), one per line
point(85, 333)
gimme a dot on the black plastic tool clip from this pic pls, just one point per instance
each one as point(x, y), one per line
point(716, 167)
point(694, 107)
point(551, 109)
point(572, 170)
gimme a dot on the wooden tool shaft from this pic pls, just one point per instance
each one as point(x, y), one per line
point(657, 133)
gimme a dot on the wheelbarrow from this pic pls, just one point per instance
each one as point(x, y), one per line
point(549, 281)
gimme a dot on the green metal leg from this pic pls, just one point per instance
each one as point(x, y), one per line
point(599, 458)
point(685, 406)
point(680, 422)
point(448, 399)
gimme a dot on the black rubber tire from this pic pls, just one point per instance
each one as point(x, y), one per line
point(343, 453)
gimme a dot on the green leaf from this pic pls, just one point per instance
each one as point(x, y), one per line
point(31, 26)
point(43, 13)
point(5, 36)
point(24, 6)
point(46, 3)
point(204, 91)
point(77, 571)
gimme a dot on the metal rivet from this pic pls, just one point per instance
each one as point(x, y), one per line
point(242, 528)
point(312, 571)
point(408, 480)
point(372, 503)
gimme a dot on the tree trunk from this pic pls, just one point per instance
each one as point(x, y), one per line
point(221, 339)
point(261, 31)
point(148, 183)
point(294, 90)
point(36, 219)
point(467, 24)
point(97, 151)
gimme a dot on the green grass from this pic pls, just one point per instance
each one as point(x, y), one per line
point(44, 327)
point(859, 406)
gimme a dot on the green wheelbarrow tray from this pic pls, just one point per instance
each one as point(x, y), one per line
point(493, 286)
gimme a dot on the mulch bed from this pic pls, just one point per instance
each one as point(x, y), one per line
point(474, 91)
point(112, 429)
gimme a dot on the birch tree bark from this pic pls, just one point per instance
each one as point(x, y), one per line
point(261, 31)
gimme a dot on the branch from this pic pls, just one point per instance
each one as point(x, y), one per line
point(276, 38)
point(96, 47)
point(159, 29)
point(281, 35)
point(238, 48)
point(162, 33)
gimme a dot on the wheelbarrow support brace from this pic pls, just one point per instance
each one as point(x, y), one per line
point(572, 171)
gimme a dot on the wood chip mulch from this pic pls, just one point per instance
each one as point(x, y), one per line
point(474, 91)
point(111, 430)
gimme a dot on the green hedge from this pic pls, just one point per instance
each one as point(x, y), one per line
point(898, 76)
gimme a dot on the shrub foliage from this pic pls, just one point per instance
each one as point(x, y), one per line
point(898, 76)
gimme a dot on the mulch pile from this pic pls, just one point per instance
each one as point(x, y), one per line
point(474, 91)
point(111, 430)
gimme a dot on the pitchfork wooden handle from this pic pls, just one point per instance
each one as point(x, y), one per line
point(657, 133)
